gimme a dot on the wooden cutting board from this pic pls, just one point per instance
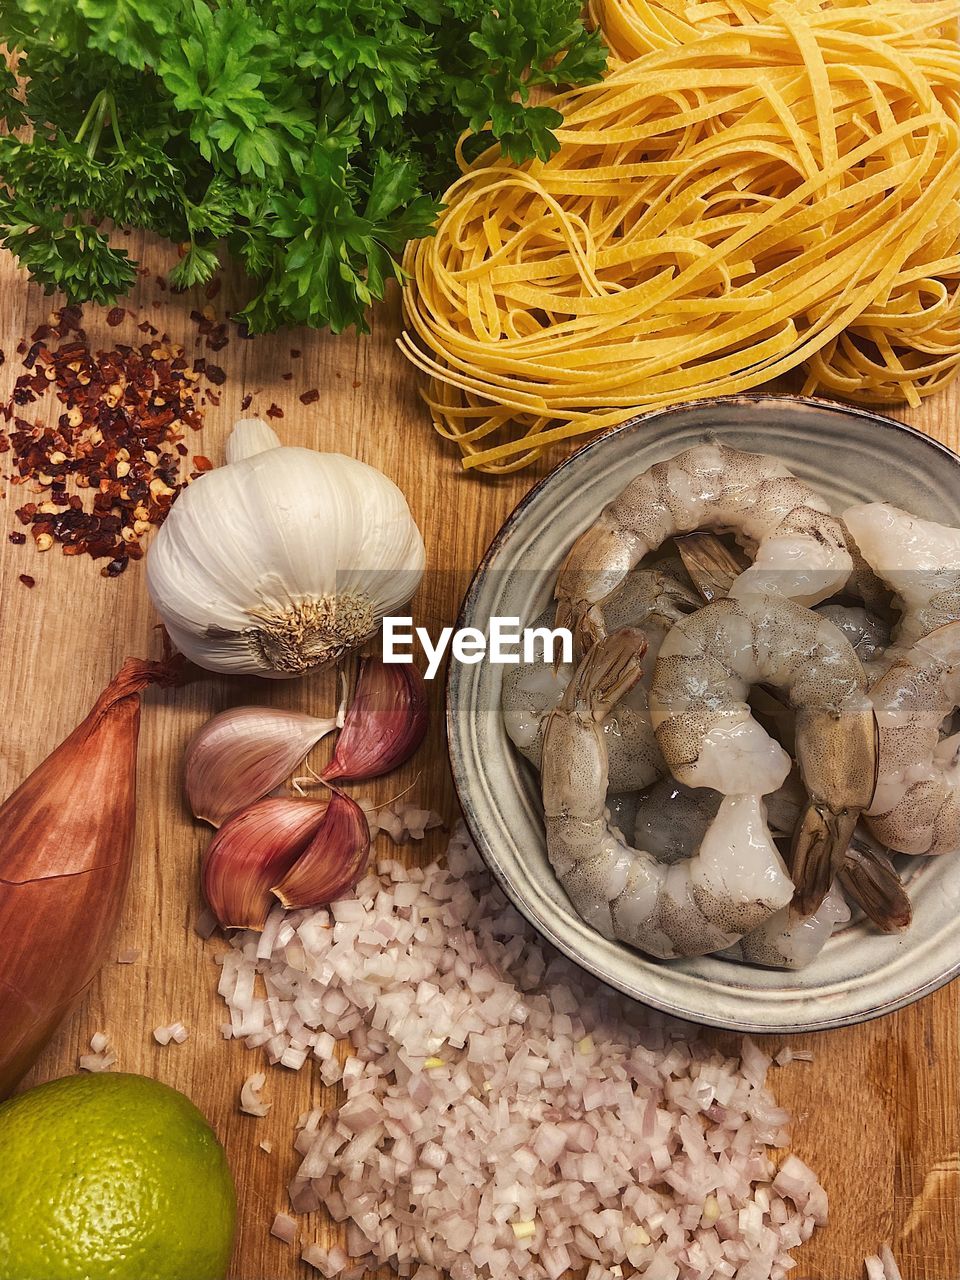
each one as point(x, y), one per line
point(877, 1112)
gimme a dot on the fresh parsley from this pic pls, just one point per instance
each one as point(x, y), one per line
point(308, 139)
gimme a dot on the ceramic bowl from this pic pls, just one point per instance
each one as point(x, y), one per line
point(849, 455)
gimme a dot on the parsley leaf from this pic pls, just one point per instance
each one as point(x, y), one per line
point(309, 139)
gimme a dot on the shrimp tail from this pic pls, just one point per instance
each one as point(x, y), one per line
point(870, 879)
point(594, 567)
point(585, 624)
point(610, 670)
point(837, 756)
point(817, 855)
point(711, 566)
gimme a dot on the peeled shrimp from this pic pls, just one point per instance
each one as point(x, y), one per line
point(919, 561)
point(671, 819)
point(731, 885)
point(799, 549)
point(783, 942)
point(713, 569)
point(916, 808)
point(654, 598)
point(709, 737)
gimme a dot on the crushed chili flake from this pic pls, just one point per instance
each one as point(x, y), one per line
point(356, 383)
point(117, 440)
point(310, 397)
point(27, 580)
point(287, 377)
point(215, 375)
point(246, 402)
point(295, 353)
point(213, 287)
point(116, 316)
point(274, 411)
point(202, 463)
point(18, 539)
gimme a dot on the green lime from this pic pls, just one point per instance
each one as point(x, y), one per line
point(112, 1177)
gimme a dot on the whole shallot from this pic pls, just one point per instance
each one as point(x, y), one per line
point(66, 842)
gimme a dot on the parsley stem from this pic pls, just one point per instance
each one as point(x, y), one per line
point(100, 110)
point(92, 110)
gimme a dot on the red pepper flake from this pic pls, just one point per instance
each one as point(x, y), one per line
point(213, 287)
point(216, 375)
point(310, 397)
point(287, 377)
point(27, 580)
point(116, 445)
point(295, 353)
point(202, 463)
point(116, 316)
point(246, 402)
point(274, 411)
point(356, 383)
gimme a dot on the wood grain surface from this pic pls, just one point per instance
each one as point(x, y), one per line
point(877, 1113)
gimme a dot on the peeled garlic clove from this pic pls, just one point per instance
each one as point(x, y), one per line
point(334, 861)
point(243, 754)
point(251, 852)
point(385, 724)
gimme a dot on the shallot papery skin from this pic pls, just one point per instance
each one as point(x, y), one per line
point(386, 722)
point(66, 844)
point(503, 1114)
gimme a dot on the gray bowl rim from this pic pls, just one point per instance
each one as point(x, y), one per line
point(460, 782)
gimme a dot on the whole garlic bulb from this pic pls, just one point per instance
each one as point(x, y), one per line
point(283, 559)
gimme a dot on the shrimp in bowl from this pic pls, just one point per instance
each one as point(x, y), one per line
point(709, 736)
point(734, 882)
point(798, 548)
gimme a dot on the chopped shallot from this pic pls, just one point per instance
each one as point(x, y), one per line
point(503, 1114)
point(882, 1267)
point(250, 1100)
point(284, 1228)
point(401, 822)
point(101, 1056)
point(206, 924)
point(176, 1032)
point(787, 1055)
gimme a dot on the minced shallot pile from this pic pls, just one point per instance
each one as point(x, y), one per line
point(504, 1115)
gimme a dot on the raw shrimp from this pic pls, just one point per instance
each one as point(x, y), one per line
point(733, 883)
point(653, 598)
point(709, 737)
point(869, 635)
point(916, 808)
point(670, 820)
point(919, 561)
point(799, 549)
point(713, 568)
point(867, 878)
point(783, 942)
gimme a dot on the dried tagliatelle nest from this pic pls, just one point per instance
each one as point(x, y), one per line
point(738, 202)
